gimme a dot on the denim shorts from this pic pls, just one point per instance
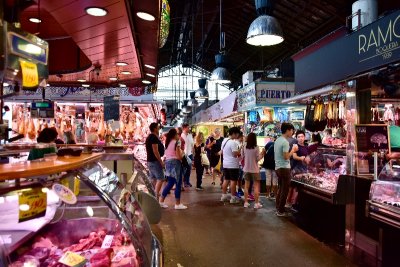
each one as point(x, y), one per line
point(156, 171)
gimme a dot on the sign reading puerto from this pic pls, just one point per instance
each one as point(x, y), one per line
point(273, 93)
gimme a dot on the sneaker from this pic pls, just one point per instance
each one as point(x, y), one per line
point(288, 206)
point(180, 207)
point(246, 204)
point(199, 188)
point(163, 205)
point(234, 200)
point(225, 197)
point(213, 183)
point(240, 194)
point(281, 214)
point(257, 206)
point(188, 185)
point(250, 197)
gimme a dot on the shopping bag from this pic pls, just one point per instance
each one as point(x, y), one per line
point(218, 167)
point(204, 160)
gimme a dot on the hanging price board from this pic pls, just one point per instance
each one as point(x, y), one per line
point(30, 75)
point(32, 204)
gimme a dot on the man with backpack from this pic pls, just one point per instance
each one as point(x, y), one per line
point(269, 166)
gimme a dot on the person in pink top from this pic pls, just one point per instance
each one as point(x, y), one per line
point(251, 169)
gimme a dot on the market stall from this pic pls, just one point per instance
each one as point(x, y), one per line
point(71, 211)
point(364, 83)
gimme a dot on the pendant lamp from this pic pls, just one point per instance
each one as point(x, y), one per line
point(192, 101)
point(264, 30)
point(185, 108)
point(202, 92)
point(221, 74)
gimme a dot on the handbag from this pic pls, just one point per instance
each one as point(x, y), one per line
point(204, 160)
point(219, 165)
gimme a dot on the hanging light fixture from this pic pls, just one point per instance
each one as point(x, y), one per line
point(221, 74)
point(202, 92)
point(264, 30)
point(192, 101)
point(185, 108)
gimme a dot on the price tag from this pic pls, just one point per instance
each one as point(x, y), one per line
point(107, 241)
point(32, 204)
point(72, 259)
point(30, 76)
point(65, 194)
point(120, 255)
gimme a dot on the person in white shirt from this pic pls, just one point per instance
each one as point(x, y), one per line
point(251, 170)
point(230, 163)
point(188, 149)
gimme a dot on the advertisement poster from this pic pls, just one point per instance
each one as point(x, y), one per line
point(371, 138)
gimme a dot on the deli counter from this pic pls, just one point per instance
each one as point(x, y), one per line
point(71, 211)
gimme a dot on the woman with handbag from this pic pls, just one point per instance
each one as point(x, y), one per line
point(198, 153)
point(173, 169)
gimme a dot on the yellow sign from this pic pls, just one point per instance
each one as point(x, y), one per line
point(72, 259)
point(32, 204)
point(30, 75)
point(77, 184)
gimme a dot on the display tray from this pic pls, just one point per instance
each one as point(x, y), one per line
point(320, 193)
point(384, 213)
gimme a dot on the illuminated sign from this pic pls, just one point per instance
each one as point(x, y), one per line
point(26, 48)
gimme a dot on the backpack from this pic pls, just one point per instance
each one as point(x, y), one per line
point(269, 157)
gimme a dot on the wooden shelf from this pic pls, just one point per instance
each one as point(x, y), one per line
point(28, 169)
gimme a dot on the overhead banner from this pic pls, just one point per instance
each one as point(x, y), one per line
point(371, 47)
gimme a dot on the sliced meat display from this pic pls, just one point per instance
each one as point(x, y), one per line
point(102, 258)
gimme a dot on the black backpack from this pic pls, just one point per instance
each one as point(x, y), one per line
point(269, 157)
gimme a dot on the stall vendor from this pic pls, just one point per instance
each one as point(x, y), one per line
point(46, 136)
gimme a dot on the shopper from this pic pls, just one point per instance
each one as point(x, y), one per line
point(198, 151)
point(230, 161)
point(210, 138)
point(155, 151)
point(269, 166)
point(282, 166)
point(182, 145)
point(240, 142)
point(46, 136)
point(299, 163)
point(252, 155)
point(215, 148)
point(188, 149)
point(173, 168)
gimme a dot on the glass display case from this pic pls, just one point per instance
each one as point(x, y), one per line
point(324, 175)
point(384, 200)
point(75, 218)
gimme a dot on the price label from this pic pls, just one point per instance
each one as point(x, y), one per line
point(30, 76)
point(65, 194)
point(72, 259)
point(32, 204)
point(107, 241)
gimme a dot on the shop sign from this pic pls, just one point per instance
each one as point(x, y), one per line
point(273, 93)
point(32, 204)
point(373, 46)
point(246, 97)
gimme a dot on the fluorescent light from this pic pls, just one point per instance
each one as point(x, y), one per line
point(145, 16)
point(30, 48)
point(149, 66)
point(81, 80)
point(150, 75)
point(122, 85)
point(113, 78)
point(47, 85)
point(5, 84)
point(85, 85)
point(96, 11)
point(35, 20)
point(120, 63)
point(146, 82)
point(126, 72)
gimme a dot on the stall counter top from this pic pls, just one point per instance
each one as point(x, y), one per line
point(34, 168)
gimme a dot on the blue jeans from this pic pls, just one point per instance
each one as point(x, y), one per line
point(186, 173)
point(173, 171)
